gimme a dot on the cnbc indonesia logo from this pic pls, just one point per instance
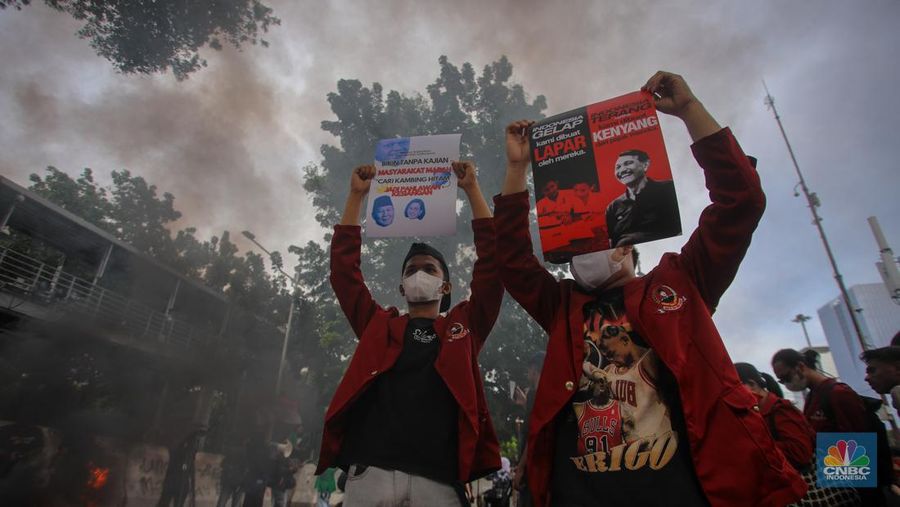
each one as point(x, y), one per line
point(846, 461)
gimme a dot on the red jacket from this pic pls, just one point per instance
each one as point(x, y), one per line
point(734, 457)
point(380, 331)
point(848, 413)
point(792, 433)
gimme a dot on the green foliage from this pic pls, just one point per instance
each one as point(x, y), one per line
point(149, 36)
point(478, 107)
point(131, 210)
point(510, 449)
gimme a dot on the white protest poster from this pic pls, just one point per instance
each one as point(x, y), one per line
point(414, 190)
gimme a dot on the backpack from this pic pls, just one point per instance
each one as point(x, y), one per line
point(773, 430)
point(873, 424)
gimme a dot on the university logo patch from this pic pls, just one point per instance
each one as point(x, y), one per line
point(666, 299)
point(457, 331)
point(423, 336)
point(846, 460)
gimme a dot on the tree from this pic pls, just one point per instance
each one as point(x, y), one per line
point(131, 210)
point(146, 37)
point(478, 107)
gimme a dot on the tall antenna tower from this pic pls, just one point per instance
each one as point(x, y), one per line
point(812, 201)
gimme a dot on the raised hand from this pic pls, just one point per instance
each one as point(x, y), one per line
point(518, 153)
point(466, 175)
point(361, 179)
point(671, 93)
point(673, 96)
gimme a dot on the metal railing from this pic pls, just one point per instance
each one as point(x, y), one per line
point(26, 277)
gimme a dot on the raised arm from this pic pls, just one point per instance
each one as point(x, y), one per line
point(716, 248)
point(526, 280)
point(467, 180)
point(487, 288)
point(346, 277)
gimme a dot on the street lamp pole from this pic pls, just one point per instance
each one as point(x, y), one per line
point(287, 332)
point(801, 319)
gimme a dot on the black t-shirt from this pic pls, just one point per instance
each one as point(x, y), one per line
point(407, 419)
point(622, 440)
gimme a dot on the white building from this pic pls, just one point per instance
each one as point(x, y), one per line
point(879, 318)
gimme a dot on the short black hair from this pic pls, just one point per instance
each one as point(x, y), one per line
point(889, 354)
point(641, 155)
point(791, 358)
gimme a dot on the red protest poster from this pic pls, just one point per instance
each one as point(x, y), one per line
point(602, 178)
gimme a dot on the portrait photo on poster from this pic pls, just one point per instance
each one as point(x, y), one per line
point(415, 209)
point(383, 211)
point(389, 150)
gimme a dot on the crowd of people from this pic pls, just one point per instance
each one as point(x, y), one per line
point(635, 400)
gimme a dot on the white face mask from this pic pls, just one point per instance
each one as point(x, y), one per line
point(797, 383)
point(598, 270)
point(421, 287)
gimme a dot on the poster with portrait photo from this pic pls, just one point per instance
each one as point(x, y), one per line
point(602, 178)
point(414, 190)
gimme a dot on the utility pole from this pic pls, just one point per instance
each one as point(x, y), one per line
point(801, 319)
point(812, 201)
point(295, 292)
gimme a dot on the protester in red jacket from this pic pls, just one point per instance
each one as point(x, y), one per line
point(792, 433)
point(798, 371)
point(410, 409)
point(689, 431)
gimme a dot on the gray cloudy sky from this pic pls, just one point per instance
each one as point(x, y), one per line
point(229, 142)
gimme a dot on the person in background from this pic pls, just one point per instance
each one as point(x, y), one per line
point(533, 375)
point(282, 481)
point(792, 433)
point(180, 480)
point(259, 469)
point(798, 372)
point(883, 372)
point(501, 490)
point(325, 486)
point(233, 475)
point(833, 406)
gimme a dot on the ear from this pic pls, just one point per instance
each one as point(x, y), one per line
point(402, 292)
point(445, 288)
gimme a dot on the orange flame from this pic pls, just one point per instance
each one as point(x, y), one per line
point(98, 477)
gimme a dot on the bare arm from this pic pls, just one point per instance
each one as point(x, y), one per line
point(360, 181)
point(467, 179)
point(518, 156)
